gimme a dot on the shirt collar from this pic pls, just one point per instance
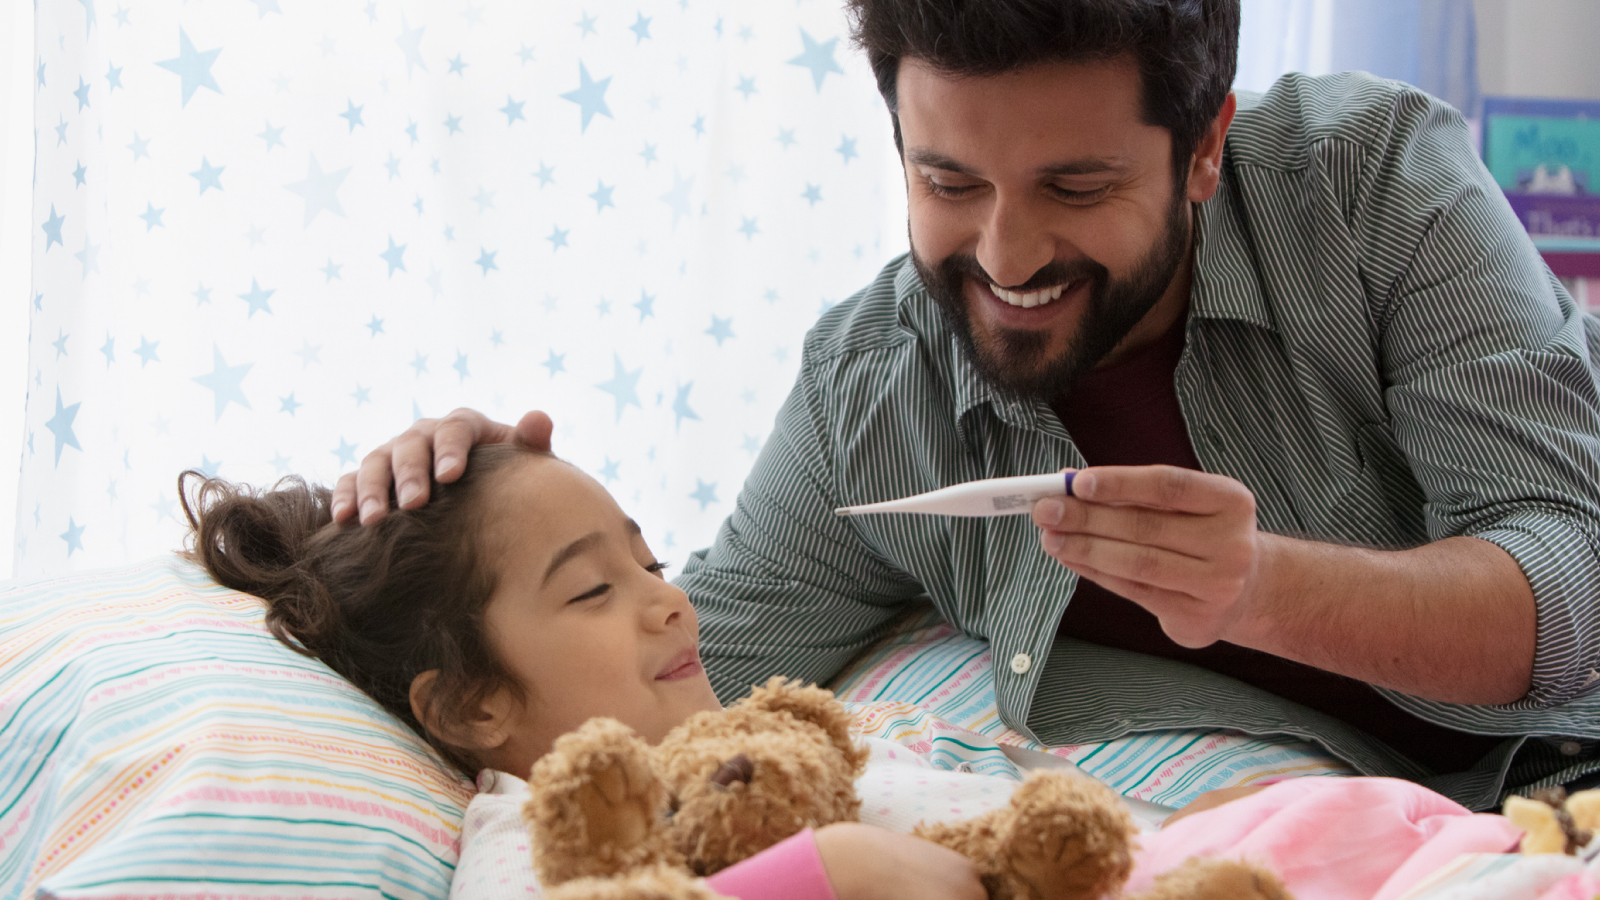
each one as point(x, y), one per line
point(1225, 283)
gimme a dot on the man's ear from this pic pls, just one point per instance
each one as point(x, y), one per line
point(485, 728)
point(1205, 169)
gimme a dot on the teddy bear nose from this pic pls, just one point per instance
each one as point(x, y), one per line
point(739, 769)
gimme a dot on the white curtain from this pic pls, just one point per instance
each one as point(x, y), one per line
point(271, 233)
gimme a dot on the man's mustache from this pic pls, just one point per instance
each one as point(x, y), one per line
point(1051, 274)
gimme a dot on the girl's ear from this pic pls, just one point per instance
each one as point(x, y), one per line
point(485, 728)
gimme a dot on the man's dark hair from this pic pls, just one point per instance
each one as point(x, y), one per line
point(1186, 50)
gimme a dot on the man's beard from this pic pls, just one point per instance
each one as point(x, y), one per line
point(1014, 360)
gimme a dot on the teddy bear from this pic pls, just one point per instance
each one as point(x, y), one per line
point(1553, 821)
point(611, 818)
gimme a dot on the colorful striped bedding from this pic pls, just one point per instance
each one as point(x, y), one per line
point(157, 741)
point(944, 682)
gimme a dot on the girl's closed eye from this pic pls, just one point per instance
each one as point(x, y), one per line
point(657, 567)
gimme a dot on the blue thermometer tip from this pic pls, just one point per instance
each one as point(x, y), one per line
point(1070, 476)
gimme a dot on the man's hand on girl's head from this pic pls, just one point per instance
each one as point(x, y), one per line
point(436, 445)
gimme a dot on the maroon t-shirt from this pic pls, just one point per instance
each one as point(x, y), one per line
point(1128, 415)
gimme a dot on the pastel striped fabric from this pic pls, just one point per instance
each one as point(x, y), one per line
point(944, 683)
point(155, 740)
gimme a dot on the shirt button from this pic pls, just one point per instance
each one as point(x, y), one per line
point(1570, 748)
point(1021, 663)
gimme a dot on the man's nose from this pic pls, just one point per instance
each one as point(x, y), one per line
point(1014, 243)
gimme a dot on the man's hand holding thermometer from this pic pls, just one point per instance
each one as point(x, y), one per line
point(1182, 544)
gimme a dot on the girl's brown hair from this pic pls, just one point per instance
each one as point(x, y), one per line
point(379, 604)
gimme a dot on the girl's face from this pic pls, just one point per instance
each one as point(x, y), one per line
point(582, 617)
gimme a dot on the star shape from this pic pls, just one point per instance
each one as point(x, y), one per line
point(496, 337)
point(747, 86)
point(319, 190)
point(486, 259)
point(546, 174)
point(646, 305)
point(587, 24)
point(73, 536)
point(327, 44)
point(208, 175)
point(208, 468)
point(192, 66)
point(557, 238)
point(361, 394)
point(89, 256)
point(289, 404)
point(786, 137)
point(332, 270)
point(256, 235)
point(352, 113)
point(525, 53)
point(371, 9)
point(420, 364)
point(649, 153)
point(460, 365)
point(412, 131)
point(751, 444)
point(346, 452)
point(609, 470)
point(623, 386)
point(394, 256)
point(680, 406)
point(484, 198)
point(77, 174)
point(138, 146)
point(590, 96)
point(375, 325)
point(109, 349)
point(749, 229)
point(82, 93)
point(410, 43)
point(61, 132)
point(555, 362)
point(699, 125)
point(813, 193)
point(273, 136)
point(60, 425)
point(265, 6)
point(257, 298)
point(846, 148)
point(280, 463)
point(640, 29)
point(309, 354)
point(393, 165)
point(513, 111)
point(121, 15)
point(52, 229)
point(602, 195)
point(147, 351)
point(453, 123)
point(721, 329)
point(818, 58)
point(224, 382)
point(434, 284)
point(457, 67)
point(163, 507)
point(473, 15)
point(678, 197)
point(201, 295)
point(705, 493)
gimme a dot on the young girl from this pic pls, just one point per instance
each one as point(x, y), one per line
point(516, 605)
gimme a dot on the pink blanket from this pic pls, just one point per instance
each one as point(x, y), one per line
point(1332, 838)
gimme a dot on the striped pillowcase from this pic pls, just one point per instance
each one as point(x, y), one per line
point(934, 667)
point(158, 741)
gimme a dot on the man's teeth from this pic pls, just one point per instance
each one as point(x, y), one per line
point(1028, 301)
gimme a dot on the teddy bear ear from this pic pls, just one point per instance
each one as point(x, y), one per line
point(810, 704)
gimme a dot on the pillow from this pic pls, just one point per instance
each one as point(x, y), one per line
point(158, 741)
point(933, 666)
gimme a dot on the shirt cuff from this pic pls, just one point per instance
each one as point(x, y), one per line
point(790, 870)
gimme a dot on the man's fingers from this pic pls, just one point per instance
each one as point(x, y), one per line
point(344, 498)
point(534, 431)
point(1181, 615)
point(457, 434)
point(1164, 487)
point(1153, 566)
point(410, 457)
point(1184, 533)
point(372, 485)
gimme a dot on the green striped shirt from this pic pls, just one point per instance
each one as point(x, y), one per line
point(1373, 347)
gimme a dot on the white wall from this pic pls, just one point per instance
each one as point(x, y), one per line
point(1538, 48)
point(16, 177)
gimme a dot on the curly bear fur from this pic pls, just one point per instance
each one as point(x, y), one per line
point(612, 818)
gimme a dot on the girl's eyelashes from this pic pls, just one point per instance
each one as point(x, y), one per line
point(658, 567)
point(598, 590)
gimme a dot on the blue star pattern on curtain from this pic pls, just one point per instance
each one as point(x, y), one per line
point(272, 233)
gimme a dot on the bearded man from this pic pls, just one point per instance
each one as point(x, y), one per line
point(1339, 426)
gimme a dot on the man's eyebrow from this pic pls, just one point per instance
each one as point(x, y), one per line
point(579, 546)
point(919, 156)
